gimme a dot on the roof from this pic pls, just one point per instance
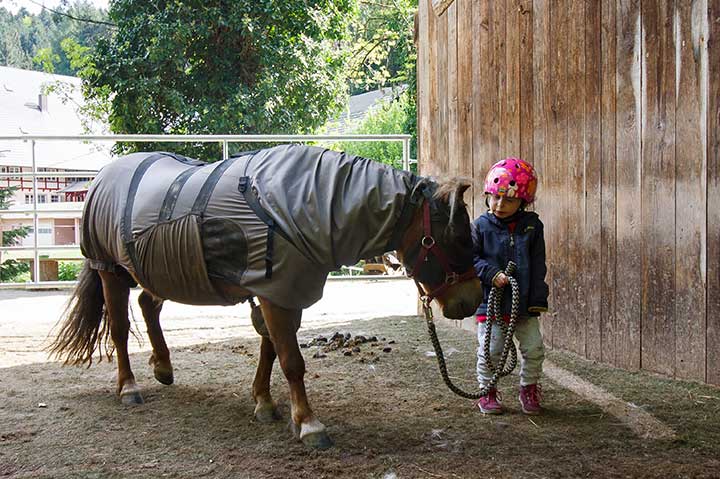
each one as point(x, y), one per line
point(23, 111)
point(359, 106)
point(76, 187)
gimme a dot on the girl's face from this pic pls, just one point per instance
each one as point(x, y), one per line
point(503, 206)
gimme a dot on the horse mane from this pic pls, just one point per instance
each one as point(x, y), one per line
point(448, 186)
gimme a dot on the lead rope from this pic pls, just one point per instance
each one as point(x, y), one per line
point(494, 315)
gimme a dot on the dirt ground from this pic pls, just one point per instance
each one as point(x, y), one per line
point(389, 414)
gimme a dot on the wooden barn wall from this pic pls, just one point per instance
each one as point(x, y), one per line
point(616, 102)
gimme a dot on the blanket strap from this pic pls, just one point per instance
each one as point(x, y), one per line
point(254, 204)
point(126, 222)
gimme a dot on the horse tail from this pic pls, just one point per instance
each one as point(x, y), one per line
point(83, 326)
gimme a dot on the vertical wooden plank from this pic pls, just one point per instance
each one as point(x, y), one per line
point(592, 268)
point(511, 125)
point(526, 54)
point(691, 64)
point(629, 220)
point(713, 195)
point(479, 65)
point(451, 95)
point(486, 99)
point(608, 235)
point(465, 88)
point(658, 189)
point(443, 124)
point(557, 174)
point(574, 218)
point(542, 117)
point(499, 35)
point(432, 163)
point(480, 24)
point(424, 127)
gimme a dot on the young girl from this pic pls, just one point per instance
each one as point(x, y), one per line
point(506, 232)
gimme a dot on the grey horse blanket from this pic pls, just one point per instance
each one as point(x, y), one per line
point(274, 222)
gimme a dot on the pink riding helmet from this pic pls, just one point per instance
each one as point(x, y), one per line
point(512, 177)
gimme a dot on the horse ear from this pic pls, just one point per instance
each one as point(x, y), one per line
point(456, 197)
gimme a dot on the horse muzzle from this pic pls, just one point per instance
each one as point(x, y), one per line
point(461, 300)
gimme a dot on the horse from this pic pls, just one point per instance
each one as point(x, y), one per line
point(269, 224)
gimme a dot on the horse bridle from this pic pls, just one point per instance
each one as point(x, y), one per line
point(429, 246)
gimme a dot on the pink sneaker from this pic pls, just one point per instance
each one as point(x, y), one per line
point(530, 397)
point(490, 404)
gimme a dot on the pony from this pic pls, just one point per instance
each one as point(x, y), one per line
point(269, 224)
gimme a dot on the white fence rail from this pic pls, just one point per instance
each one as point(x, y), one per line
point(223, 140)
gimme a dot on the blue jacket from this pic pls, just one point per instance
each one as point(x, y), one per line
point(494, 246)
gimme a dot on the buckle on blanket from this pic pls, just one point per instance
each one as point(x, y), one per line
point(243, 184)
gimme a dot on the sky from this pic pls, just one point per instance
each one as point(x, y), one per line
point(33, 6)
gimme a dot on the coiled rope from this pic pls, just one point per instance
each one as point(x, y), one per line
point(494, 316)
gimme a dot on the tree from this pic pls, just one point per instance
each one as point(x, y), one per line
point(385, 56)
point(390, 118)
point(31, 41)
point(210, 67)
point(383, 49)
point(10, 269)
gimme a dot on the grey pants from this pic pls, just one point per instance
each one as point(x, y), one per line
point(532, 351)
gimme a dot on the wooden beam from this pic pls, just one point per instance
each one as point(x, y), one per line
point(441, 5)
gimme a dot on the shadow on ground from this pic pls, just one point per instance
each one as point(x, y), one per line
point(388, 412)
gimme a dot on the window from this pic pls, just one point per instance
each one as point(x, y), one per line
point(47, 170)
point(28, 199)
point(54, 198)
point(42, 198)
point(45, 231)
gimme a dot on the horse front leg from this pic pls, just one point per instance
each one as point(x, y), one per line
point(281, 325)
point(160, 358)
point(265, 407)
point(116, 293)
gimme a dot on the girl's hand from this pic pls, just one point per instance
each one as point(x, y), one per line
point(500, 280)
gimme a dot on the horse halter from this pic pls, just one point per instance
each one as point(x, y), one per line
point(428, 246)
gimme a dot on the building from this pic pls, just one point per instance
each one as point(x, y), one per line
point(43, 104)
point(359, 106)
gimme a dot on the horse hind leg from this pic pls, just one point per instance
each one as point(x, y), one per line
point(281, 325)
point(116, 292)
point(160, 357)
point(265, 408)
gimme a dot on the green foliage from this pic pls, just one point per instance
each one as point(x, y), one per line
point(12, 271)
point(383, 49)
point(69, 270)
point(46, 59)
point(33, 42)
point(11, 237)
point(390, 118)
point(385, 55)
point(209, 67)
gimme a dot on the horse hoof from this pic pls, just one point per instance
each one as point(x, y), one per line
point(314, 435)
point(164, 376)
point(267, 414)
point(318, 440)
point(131, 398)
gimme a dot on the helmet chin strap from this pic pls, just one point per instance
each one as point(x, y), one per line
point(428, 246)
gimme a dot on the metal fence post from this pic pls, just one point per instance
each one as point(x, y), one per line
point(406, 154)
point(36, 221)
